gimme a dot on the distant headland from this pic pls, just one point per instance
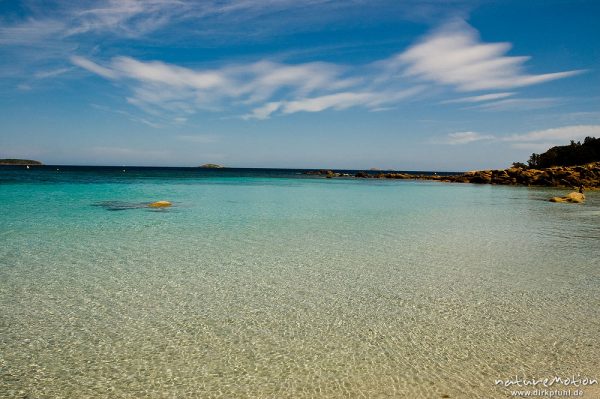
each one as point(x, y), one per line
point(211, 166)
point(14, 161)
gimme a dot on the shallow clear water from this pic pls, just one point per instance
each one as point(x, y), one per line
point(274, 285)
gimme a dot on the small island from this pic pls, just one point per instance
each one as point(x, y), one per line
point(12, 161)
point(211, 166)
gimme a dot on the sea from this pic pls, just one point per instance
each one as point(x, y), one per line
point(264, 283)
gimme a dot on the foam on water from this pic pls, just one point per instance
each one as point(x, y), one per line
point(286, 287)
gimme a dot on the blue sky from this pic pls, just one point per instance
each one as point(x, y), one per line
point(411, 85)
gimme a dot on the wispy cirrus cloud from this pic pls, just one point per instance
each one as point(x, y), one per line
point(189, 19)
point(462, 138)
point(30, 31)
point(135, 18)
point(174, 88)
point(131, 18)
point(46, 34)
point(450, 56)
point(481, 98)
point(564, 133)
point(51, 73)
point(518, 104)
point(454, 55)
point(536, 140)
point(338, 101)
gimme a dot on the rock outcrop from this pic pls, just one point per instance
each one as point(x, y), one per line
point(326, 173)
point(573, 197)
point(559, 176)
point(160, 204)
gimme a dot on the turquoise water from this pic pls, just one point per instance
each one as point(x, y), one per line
point(273, 285)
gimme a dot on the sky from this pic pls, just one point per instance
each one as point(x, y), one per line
point(407, 85)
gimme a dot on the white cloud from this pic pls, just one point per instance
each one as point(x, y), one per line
point(51, 73)
point(309, 87)
point(264, 78)
point(30, 31)
point(371, 100)
point(93, 67)
point(183, 89)
point(263, 112)
point(562, 134)
point(535, 140)
point(518, 104)
point(454, 55)
point(337, 101)
point(169, 75)
point(50, 32)
point(481, 98)
point(463, 138)
point(128, 17)
point(58, 19)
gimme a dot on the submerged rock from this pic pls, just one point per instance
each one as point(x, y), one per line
point(321, 172)
point(160, 204)
point(573, 197)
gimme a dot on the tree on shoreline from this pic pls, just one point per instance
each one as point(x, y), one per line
point(576, 153)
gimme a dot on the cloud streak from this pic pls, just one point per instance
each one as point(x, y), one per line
point(518, 104)
point(463, 138)
point(454, 55)
point(574, 132)
point(319, 86)
point(338, 101)
point(536, 140)
point(51, 31)
point(450, 56)
point(176, 88)
point(477, 99)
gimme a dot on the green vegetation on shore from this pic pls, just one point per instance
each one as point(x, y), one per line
point(12, 161)
point(568, 155)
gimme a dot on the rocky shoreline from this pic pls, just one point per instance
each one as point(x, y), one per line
point(559, 176)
